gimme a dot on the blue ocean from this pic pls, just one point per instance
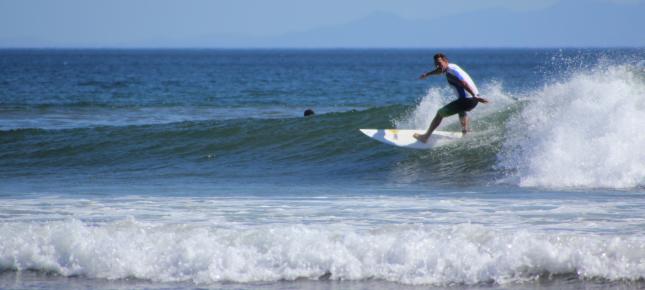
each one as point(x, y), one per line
point(195, 169)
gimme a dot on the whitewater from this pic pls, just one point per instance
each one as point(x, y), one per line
point(433, 241)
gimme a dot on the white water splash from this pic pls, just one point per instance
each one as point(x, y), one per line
point(586, 131)
point(421, 116)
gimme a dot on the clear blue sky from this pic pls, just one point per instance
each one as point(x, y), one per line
point(316, 23)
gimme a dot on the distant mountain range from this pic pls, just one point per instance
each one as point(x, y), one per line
point(565, 24)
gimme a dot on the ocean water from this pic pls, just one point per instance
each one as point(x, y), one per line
point(186, 169)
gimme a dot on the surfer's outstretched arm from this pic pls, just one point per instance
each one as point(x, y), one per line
point(434, 72)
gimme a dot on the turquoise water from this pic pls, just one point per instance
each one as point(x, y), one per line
point(195, 168)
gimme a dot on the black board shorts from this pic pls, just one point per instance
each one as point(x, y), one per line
point(460, 106)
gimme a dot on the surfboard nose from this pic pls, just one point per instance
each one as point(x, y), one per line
point(369, 132)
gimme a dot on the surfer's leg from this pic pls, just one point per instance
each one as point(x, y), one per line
point(450, 109)
point(467, 105)
point(445, 111)
point(435, 123)
point(463, 119)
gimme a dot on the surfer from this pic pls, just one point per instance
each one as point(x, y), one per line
point(467, 95)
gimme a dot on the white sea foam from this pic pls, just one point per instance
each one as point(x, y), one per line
point(585, 131)
point(409, 254)
point(410, 240)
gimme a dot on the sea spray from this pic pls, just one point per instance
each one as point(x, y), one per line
point(421, 115)
point(583, 131)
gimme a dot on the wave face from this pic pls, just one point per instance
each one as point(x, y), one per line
point(217, 148)
point(584, 131)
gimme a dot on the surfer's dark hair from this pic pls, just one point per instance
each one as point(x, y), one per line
point(440, 55)
point(309, 112)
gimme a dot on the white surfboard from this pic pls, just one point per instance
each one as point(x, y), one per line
point(404, 138)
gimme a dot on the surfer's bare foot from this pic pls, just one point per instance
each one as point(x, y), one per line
point(421, 137)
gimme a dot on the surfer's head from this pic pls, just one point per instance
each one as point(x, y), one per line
point(309, 112)
point(441, 61)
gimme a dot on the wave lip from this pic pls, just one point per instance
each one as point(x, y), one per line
point(408, 254)
point(584, 132)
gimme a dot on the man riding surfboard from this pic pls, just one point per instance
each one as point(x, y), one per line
point(467, 95)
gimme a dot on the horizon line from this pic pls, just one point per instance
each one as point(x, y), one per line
point(311, 47)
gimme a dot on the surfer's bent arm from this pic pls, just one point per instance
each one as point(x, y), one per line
point(472, 93)
point(434, 72)
point(468, 89)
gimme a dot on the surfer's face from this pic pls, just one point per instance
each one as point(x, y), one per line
point(441, 63)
